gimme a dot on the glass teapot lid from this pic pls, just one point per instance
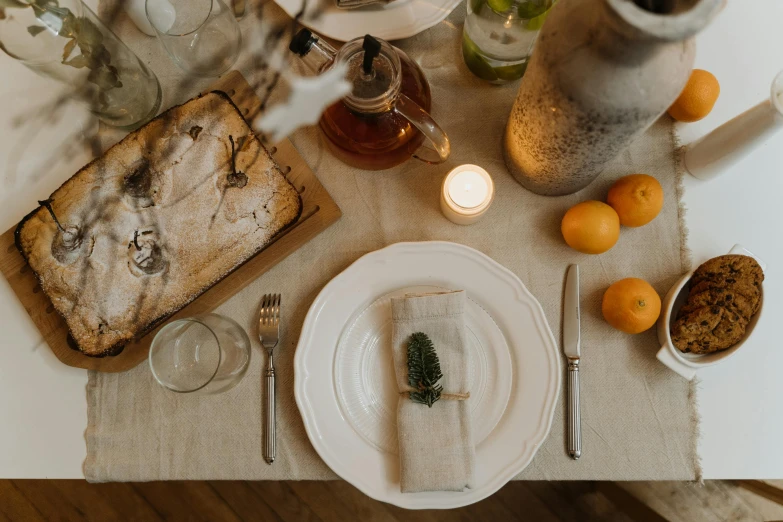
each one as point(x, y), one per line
point(374, 68)
point(373, 72)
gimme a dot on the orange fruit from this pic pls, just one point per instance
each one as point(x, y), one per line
point(591, 227)
point(631, 305)
point(697, 98)
point(637, 199)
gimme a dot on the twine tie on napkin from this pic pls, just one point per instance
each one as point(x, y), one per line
point(447, 396)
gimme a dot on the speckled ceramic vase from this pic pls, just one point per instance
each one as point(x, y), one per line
point(602, 72)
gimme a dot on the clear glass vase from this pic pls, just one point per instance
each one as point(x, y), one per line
point(65, 40)
point(499, 36)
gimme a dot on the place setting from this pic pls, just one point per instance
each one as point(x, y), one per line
point(369, 275)
point(505, 359)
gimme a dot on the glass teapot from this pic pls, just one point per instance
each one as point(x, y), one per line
point(385, 119)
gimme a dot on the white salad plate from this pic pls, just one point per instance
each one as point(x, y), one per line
point(344, 375)
point(392, 21)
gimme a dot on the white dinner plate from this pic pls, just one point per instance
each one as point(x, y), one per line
point(393, 21)
point(344, 382)
point(364, 371)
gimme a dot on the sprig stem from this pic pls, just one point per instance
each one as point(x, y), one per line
point(47, 204)
point(236, 178)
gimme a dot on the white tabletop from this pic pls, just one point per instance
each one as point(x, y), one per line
point(43, 408)
point(740, 401)
point(42, 402)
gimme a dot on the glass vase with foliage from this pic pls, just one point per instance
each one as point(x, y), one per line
point(65, 40)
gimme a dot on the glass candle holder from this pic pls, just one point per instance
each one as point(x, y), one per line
point(206, 354)
point(466, 194)
point(201, 36)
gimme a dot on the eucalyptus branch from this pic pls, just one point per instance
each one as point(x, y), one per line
point(78, 31)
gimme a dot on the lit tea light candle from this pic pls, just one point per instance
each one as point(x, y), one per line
point(466, 195)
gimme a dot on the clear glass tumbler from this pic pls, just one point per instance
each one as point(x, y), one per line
point(207, 354)
point(499, 36)
point(201, 36)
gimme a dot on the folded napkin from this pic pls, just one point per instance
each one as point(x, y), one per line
point(435, 444)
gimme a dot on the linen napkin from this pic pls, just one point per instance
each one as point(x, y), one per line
point(435, 444)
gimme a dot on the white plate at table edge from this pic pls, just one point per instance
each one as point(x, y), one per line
point(394, 21)
point(534, 395)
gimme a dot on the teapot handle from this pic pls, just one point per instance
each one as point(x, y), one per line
point(438, 148)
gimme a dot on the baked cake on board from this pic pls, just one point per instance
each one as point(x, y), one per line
point(318, 212)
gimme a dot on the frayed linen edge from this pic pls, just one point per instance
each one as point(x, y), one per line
point(686, 262)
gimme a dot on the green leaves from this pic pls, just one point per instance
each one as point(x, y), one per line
point(105, 77)
point(423, 370)
point(79, 32)
point(68, 49)
point(34, 30)
point(93, 54)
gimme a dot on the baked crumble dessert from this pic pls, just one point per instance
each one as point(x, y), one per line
point(161, 217)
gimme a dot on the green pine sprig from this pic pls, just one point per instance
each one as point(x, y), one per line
point(423, 370)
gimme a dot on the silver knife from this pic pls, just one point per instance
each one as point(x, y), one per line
point(572, 338)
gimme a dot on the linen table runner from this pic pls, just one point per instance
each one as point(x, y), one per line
point(638, 419)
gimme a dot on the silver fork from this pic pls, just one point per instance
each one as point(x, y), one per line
point(269, 334)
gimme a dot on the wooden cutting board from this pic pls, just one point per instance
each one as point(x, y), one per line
point(319, 211)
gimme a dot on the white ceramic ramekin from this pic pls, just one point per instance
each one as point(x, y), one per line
point(687, 364)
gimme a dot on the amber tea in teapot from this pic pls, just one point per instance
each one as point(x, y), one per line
point(385, 119)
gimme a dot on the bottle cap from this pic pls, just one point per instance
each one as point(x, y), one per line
point(302, 42)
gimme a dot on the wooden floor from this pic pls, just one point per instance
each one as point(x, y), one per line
point(23, 500)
